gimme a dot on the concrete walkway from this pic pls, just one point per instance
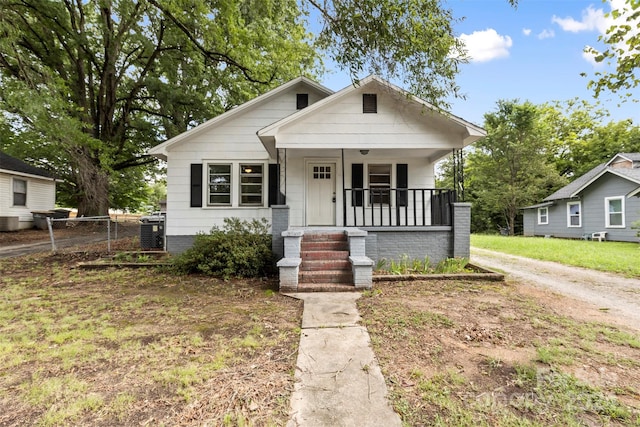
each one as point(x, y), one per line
point(338, 379)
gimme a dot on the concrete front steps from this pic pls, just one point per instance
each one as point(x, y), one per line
point(325, 265)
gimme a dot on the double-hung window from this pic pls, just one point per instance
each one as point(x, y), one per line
point(543, 216)
point(235, 184)
point(614, 211)
point(251, 181)
point(19, 192)
point(379, 184)
point(219, 176)
point(574, 217)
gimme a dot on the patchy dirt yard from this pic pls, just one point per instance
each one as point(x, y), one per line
point(483, 353)
point(140, 347)
point(148, 347)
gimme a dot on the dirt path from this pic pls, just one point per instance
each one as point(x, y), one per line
point(608, 297)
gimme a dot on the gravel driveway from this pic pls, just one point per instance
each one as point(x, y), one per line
point(614, 294)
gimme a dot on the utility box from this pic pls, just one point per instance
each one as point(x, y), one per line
point(9, 223)
point(152, 235)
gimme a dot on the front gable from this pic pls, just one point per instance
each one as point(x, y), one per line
point(346, 120)
point(235, 130)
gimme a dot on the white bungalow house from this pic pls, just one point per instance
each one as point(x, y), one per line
point(358, 162)
point(24, 188)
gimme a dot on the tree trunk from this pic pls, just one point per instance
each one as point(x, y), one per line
point(92, 185)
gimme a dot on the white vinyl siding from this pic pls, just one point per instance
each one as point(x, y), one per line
point(574, 214)
point(40, 195)
point(232, 141)
point(543, 216)
point(614, 212)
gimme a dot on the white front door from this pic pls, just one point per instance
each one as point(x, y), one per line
point(321, 194)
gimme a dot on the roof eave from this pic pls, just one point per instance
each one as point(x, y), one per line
point(29, 175)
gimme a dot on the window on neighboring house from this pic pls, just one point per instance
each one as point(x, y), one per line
point(219, 184)
point(574, 218)
point(251, 179)
point(19, 192)
point(369, 103)
point(543, 216)
point(302, 100)
point(379, 184)
point(614, 211)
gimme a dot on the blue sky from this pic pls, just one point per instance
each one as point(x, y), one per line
point(534, 52)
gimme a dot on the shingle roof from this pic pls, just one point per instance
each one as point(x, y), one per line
point(566, 191)
point(570, 190)
point(11, 163)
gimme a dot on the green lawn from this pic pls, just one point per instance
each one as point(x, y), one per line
point(616, 257)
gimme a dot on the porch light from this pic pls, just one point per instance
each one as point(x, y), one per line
point(364, 152)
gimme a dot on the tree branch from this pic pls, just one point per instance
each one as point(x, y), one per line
point(215, 56)
point(134, 162)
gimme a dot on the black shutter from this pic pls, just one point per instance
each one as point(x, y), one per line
point(274, 183)
point(357, 180)
point(402, 181)
point(196, 185)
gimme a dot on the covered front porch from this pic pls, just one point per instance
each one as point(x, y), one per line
point(361, 188)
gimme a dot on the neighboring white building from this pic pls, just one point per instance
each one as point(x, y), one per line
point(361, 157)
point(23, 189)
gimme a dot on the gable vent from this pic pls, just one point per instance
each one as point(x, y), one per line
point(302, 100)
point(369, 103)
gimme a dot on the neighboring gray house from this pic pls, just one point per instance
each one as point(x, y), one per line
point(358, 162)
point(604, 200)
point(23, 189)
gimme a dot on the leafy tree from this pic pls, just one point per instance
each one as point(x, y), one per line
point(623, 52)
point(508, 169)
point(90, 85)
point(581, 137)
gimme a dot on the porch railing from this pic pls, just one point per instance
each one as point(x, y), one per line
point(397, 207)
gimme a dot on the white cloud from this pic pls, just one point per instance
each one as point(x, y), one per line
point(546, 34)
point(596, 20)
point(526, 31)
point(483, 46)
point(591, 20)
